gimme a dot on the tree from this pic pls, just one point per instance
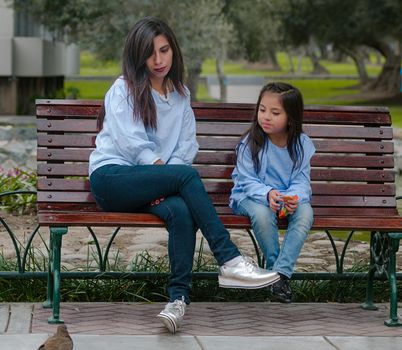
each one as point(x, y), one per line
point(256, 29)
point(202, 31)
point(298, 27)
point(349, 25)
point(102, 25)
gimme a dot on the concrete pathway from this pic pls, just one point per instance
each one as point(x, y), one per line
point(207, 326)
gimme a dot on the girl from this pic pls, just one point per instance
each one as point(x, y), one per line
point(273, 172)
point(142, 163)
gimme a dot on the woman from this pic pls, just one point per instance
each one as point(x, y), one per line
point(142, 163)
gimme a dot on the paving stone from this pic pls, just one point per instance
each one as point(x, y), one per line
point(4, 317)
point(18, 342)
point(94, 342)
point(20, 318)
point(258, 343)
point(368, 343)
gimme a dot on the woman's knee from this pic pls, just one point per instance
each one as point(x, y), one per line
point(175, 208)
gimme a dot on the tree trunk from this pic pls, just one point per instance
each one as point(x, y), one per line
point(358, 59)
point(273, 60)
point(192, 81)
point(300, 61)
point(291, 66)
point(388, 82)
point(317, 67)
point(221, 76)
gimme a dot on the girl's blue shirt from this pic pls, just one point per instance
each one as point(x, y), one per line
point(124, 140)
point(276, 172)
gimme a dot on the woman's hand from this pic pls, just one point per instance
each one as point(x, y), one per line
point(159, 162)
point(274, 197)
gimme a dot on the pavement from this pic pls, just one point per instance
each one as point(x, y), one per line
point(206, 326)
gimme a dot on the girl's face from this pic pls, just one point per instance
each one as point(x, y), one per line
point(272, 117)
point(160, 62)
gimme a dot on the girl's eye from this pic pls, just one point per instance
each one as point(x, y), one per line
point(262, 110)
point(164, 50)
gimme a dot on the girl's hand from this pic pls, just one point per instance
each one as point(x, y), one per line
point(159, 162)
point(291, 205)
point(274, 197)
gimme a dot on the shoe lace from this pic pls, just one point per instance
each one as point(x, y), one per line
point(250, 263)
point(179, 305)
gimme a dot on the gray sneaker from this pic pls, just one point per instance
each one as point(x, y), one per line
point(172, 315)
point(246, 274)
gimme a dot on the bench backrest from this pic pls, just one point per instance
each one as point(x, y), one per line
point(351, 171)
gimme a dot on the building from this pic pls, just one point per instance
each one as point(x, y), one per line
point(32, 63)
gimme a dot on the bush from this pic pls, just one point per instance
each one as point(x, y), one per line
point(17, 180)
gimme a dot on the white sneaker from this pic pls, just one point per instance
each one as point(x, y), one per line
point(172, 315)
point(246, 274)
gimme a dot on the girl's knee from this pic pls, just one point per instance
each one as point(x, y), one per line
point(304, 215)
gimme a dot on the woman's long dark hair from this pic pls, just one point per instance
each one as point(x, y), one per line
point(292, 102)
point(138, 47)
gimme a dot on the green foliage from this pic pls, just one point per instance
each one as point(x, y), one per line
point(72, 92)
point(14, 180)
point(203, 290)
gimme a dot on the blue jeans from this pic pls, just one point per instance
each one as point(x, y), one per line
point(186, 207)
point(265, 228)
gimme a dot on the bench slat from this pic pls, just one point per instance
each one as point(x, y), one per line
point(337, 211)
point(352, 161)
point(228, 157)
point(222, 172)
point(69, 125)
point(223, 199)
point(76, 155)
point(226, 143)
point(75, 110)
point(317, 131)
point(225, 187)
point(127, 219)
point(228, 129)
point(318, 211)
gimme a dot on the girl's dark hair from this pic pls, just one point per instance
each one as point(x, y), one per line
point(138, 47)
point(292, 102)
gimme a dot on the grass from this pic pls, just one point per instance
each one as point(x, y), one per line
point(243, 68)
point(90, 66)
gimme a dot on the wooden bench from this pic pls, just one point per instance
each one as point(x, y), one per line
point(352, 177)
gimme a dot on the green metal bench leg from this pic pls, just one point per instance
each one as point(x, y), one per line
point(48, 303)
point(368, 304)
point(56, 234)
point(393, 311)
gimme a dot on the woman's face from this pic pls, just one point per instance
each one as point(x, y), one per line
point(160, 62)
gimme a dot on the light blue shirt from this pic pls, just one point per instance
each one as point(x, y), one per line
point(124, 140)
point(276, 172)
